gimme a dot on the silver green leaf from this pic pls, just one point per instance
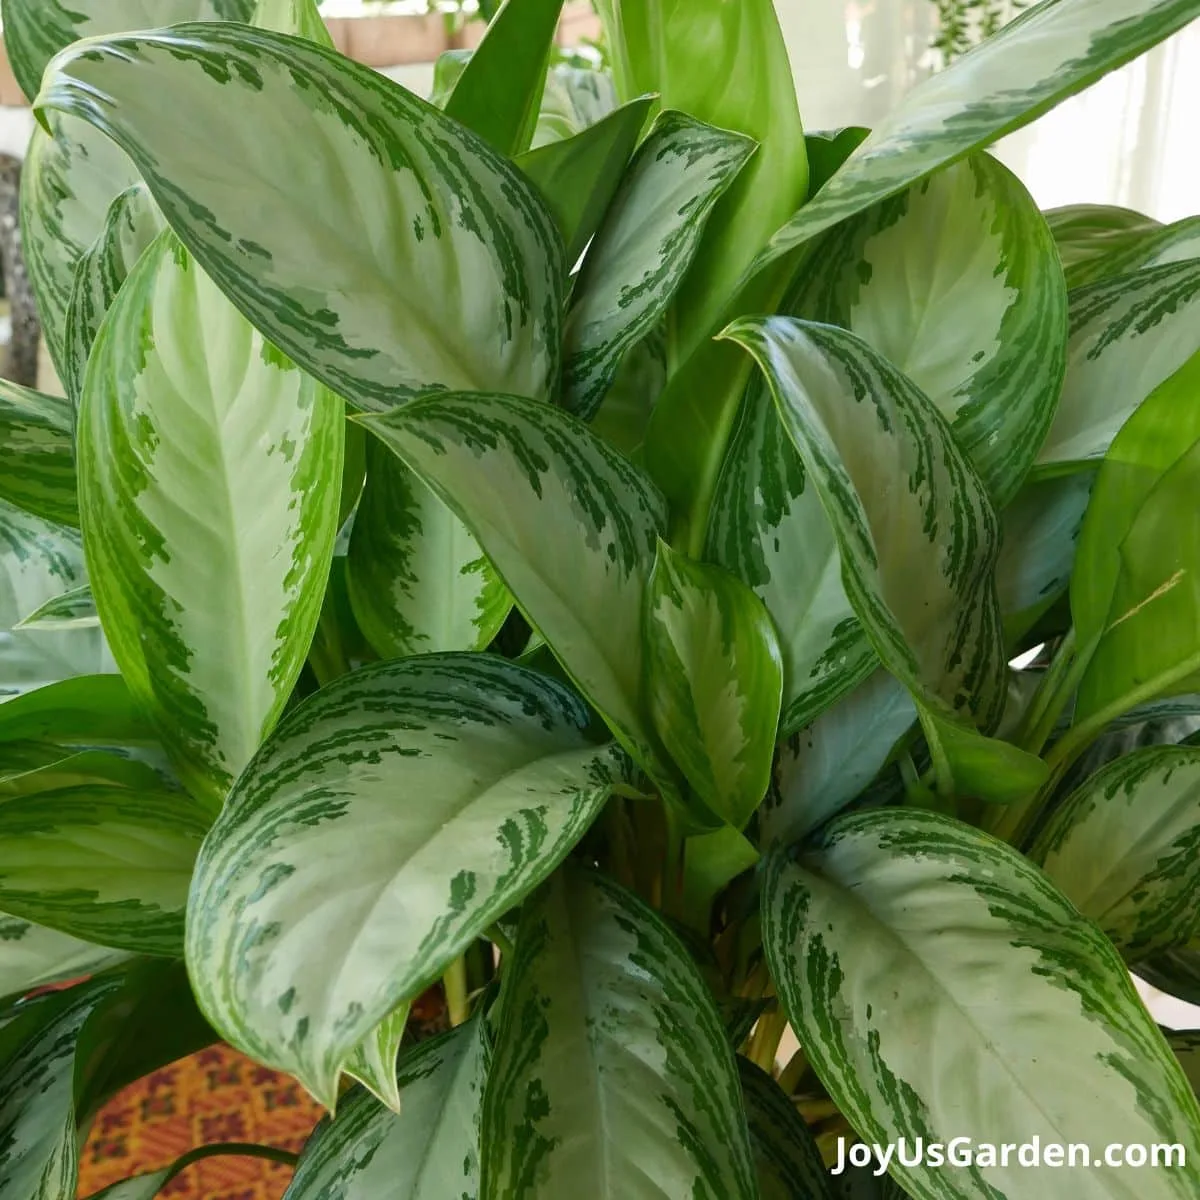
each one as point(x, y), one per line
point(824, 766)
point(1123, 849)
point(74, 609)
point(133, 222)
point(37, 457)
point(898, 492)
point(644, 247)
point(428, 1152)
point(714, 679)
point(542, 494)
point(787, 1160)
point(575, 99)
point(32, 956)
point(107, 864)
point(1128, 335)
point(386, 824)
point(373, 1060)
point(1086, 232)
point(898, 931)
point(450, 275)
point(418, 581)
point(611, 1071)
point(209, 467)
point(39, 1150)
point(1154, 246)
point(40, 561)
point(1051, 52)
point(36, 30)
point(956, 282)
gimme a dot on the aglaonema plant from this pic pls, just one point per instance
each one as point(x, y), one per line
point(571, 546)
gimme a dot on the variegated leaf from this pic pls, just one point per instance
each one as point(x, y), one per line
point(37, 457)
point(578, 176)
point(957, 284)
point(644, 247)
point(32, 956)
point(1128, 335)
point(539, 491)
point(106, 864)
point(390, 819)
point(823, 767)
point(900, 930)
point(38, 562)
point(1123, 849)
point(623, 417)
point(769, 528)
point(373, 1060)
point(786, 1158)
point(575, 99)
point(1037, 553)
point(133, 222)
point(1085, 232)
point(418, 581)
point(451, 275)
point(898, 492)
point(39, 1152)
point(29, 767)
point(1154, 246)
point(36, 30)
point(74, 609)
point(210, 474)
point(1053, 51)
point(611, 1070)
point(429, 1152)
point(714, 678)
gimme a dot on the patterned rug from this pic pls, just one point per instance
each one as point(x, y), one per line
point(215, 1096)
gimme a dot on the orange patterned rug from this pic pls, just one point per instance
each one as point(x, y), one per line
point(215, 1096)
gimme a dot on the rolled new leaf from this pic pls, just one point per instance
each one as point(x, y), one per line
point(611, 1068)
point(389, 821)
point(939, 982)
point(452, 275)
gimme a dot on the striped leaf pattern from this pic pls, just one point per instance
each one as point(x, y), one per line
point(714, 679)
point(823, 767)
point(897, 491)
point(39, 1154)
point(539, 491)
point(786, 1158)
point(32, 956)
point(37, 459)
point(107, 864)
point(1123, 849)
point(1127, 336)
point(1084, 233)
point(452, 272)
point(428, 1152)
point(575, 99)
point(644, 247)
point(69, 179)
point(74, 609)
point(210, 473)
point(29, 767)
point(939, 982)
point(386, 824)
point(38, 562)
point(611, 1069)
point(373, 1060)
point(956, 283)
point(417, 579)
point(1154, 246)
point(133, 222)
point(1053, 51)
point(768, 527)
point(36, 30)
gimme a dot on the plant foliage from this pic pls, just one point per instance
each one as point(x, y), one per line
point(566, 545)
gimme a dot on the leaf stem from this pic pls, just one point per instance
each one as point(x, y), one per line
point(458, 1004)
point(764, 1041)
point(1054, 692)
point(796, 1069)
point(231, 1150)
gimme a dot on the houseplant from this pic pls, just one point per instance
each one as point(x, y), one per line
point(626, 647)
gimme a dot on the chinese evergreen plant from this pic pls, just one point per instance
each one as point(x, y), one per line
point(570, 545)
